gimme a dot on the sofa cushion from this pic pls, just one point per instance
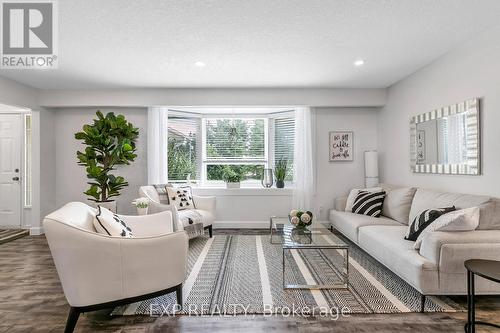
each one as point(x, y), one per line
point(489, 216)
point(386, 244)
point(397, 202)
point(349, 223)
point(426, 199)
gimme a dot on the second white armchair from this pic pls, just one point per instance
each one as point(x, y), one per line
point(205, 208)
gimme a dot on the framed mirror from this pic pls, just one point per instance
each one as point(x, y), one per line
point(447, 140)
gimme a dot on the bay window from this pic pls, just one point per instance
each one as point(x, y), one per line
point(205, 148)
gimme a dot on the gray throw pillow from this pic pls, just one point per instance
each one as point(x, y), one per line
point(397, 203)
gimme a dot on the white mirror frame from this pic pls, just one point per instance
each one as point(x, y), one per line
point(473, 165)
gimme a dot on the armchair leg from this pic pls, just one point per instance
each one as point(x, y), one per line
point(209, 230)
point(422, 303)
point(73, 315)
point(178, 293)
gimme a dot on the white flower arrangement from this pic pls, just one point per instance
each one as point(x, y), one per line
point(141, 202)
point(301, 219)
point(294, 220)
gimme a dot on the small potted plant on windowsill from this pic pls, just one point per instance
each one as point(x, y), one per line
point(232, 178)
point(280, 171)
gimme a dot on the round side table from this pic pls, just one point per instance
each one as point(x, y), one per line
point(488, 269)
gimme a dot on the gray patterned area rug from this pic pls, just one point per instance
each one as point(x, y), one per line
point(235, 274)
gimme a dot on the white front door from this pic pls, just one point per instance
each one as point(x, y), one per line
point(10, 170)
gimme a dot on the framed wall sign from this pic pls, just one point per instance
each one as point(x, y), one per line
point(341, 146)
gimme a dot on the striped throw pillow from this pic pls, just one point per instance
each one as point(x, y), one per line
point(369, 203)
point(423, 220)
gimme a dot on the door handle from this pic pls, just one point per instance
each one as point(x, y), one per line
point(15, 178)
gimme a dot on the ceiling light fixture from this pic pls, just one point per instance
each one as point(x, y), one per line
point(359, 62)
point(199, 64)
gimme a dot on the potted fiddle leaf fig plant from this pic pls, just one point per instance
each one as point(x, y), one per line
point(109, 141)
point(280, 171)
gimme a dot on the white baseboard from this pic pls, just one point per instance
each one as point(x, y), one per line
point(249, 224)
point(241, 225)
point(36, 231)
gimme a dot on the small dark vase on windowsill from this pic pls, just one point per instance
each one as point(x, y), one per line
point(280, 183)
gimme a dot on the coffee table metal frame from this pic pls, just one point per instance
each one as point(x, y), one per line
point(289, 246)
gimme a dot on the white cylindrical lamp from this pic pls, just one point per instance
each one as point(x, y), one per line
point(371, 168)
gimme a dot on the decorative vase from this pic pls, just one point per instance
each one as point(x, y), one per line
point(267, 178)
point(142, 211)
point(111, 205)
point(280, 184)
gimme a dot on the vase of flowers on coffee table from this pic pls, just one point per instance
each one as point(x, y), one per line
point(300, 219)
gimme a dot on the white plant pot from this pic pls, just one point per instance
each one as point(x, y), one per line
point(142, 211)
point(111, 205)
point(233, 185)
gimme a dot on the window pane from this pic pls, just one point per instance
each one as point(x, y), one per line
point(284, 139)
point(245, 171)
point(231, 138)
point(182, 134)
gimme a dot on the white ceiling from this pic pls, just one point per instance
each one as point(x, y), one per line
point(253, 43)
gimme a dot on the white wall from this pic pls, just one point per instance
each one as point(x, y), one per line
point(213, 97)
point(472, 70)
point(334, 179)
point(248, 207)
point(71, 178)
point(47, 162)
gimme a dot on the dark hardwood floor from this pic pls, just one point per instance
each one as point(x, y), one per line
point(31, 300)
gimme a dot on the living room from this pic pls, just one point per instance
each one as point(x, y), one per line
point(311, 166)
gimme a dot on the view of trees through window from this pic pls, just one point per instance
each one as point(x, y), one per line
point(234, 148)
point(238, 140)
point(182, 137)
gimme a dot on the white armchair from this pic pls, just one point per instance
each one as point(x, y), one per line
point(205, 206)
point(98, 271)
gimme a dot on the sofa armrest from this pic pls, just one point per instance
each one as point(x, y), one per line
point(150, 225)
point(205, 203)
point(340, 203)
point(448, 250)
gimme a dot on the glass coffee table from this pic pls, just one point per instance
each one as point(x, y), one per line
point(316, 237)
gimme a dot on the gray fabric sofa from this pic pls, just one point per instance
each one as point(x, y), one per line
point(438, 267)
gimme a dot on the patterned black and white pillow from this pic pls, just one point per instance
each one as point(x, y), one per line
point(423, 220)
point(181, 197)
point(369, 203)
point(108, 223)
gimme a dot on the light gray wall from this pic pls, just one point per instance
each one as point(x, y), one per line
point(470, 71)
point(334, 179)
point(214, 97)
point(71, 178)
point(47, 162)
point(17, 94)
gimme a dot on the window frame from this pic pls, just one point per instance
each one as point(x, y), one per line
point(201, 145)
point(228, 161)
